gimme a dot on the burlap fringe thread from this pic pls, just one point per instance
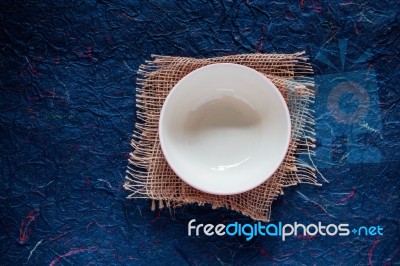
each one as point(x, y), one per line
point(149, 175)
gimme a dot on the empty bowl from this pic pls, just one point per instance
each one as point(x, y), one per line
point(224, 129)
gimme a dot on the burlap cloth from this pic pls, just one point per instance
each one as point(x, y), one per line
point(149, 175)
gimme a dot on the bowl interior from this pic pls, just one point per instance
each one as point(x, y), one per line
point(224, 129)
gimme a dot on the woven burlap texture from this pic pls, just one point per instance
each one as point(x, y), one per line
point(149, 175)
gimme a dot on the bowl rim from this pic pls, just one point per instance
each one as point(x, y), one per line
point(288, 136)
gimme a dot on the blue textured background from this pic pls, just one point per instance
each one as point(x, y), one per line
point(67, 110)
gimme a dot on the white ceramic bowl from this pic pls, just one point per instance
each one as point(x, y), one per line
point(224, 129)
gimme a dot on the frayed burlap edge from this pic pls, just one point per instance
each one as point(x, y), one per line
point(150, 177)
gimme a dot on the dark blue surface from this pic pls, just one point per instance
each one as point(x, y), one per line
point(67, 110)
